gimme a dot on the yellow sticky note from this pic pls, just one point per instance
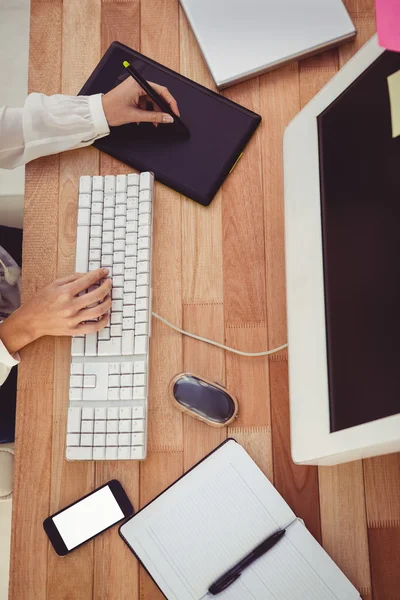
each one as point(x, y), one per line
point(394, 94)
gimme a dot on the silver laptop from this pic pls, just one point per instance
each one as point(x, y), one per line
point(243, 38)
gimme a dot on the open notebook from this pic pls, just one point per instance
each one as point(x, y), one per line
point(211, 518)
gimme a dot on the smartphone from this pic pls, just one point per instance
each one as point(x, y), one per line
point(81, 521)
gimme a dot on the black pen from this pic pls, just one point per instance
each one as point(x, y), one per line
point(234, 573)
point(155, 96)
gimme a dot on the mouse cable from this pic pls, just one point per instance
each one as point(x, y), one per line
point(201, 339)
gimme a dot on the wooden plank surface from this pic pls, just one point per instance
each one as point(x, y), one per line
point(219, 272)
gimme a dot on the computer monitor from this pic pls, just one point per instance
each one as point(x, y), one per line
point(342, 214)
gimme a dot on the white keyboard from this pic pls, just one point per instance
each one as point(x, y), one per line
point(107, 414)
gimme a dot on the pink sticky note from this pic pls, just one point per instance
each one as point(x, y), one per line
point(388, 24)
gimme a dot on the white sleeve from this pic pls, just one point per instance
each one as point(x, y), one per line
point(7, 362)
point(48, 125)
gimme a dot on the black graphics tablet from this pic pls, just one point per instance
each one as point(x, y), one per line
point(194, 166)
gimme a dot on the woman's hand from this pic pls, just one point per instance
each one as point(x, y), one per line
point(58, 309)
point(127, 103)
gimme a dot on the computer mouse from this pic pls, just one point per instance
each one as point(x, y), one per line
point(204, 400)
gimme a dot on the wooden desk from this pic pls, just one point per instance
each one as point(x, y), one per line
point(219, 272)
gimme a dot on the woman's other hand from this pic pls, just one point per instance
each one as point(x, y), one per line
point(60, 309)
point(127, 103)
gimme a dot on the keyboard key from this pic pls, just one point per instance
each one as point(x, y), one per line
point(86, 439)
point(112, 426)
point(74, 420)
point(133, 179)
point(97, 208)
point(144, 219)
point(139, 380)
point(87, 427)
point(121, 183)
point(129, 299)
point(144, 231)
point(127, 380)
point(120, 209)
point(104, 334)
point(119, 245)
point(99, 427)
point(124, 452)
point(88, 413)
point(108, 237)
point(95, 230)
point(114, 381)
point(128, 311)
point(99, 439)
point(137, 439)
point(112, 439)
point(145, 181)
point(112, 413)
point(137, 452)
point(84, 200)
point(143, 279)
point(128, 342)
point(142, 304)
point(79, 453)
point(98, 183)
point(126, 393)
point(76, 381)
point(130, 274)
point(124, 439)
point(108, 225)
point(109, 201)
point(129, 286)
point(74, 438)
point(125, 412)
point(95, 255)
point(119, 257)
point(131, 227)
point(83, 216)
point(96, 219)
point(107, 248)
point(139, 393)
point(119, 233)
point(120, 199)
point(76, 368)
point(143, 266)
point(100, 413)
point(138, 413)
point(95, 243)
point(141, 316)
point(116, 330)
point(139, 366)
point(141, 344)
point(141, 328)
point(82, 248)
point(75, 394)
point(126, 368)
point(145, 195)
point(118, 281)
point(114, 394)
point(144, 207)
point(137, 425)
point(114, 368)
point(131, 239)
point(144, 243)
point(117, 293)
point(99, 453)
point(97, 196)
point(111, 453)
point(109, 184)
point(85, 185)
point(116, 318)
point(124, 427)
point(131, 250)
point(143, 255)
point(130, 262)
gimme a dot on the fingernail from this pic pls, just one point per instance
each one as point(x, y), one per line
point(167, 119)
point(105, 271)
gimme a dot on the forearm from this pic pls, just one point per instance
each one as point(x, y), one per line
point(16, 333)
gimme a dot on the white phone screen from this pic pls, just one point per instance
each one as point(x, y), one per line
point(88, 517)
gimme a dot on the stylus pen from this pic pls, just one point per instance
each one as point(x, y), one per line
point(234, 573)
point(151, 92)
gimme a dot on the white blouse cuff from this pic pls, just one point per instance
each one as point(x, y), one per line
point(98, 117)
point(7, 359)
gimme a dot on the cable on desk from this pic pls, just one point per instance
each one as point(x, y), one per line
point(201, 339)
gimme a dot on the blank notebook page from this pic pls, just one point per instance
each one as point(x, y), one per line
point(205, 523)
